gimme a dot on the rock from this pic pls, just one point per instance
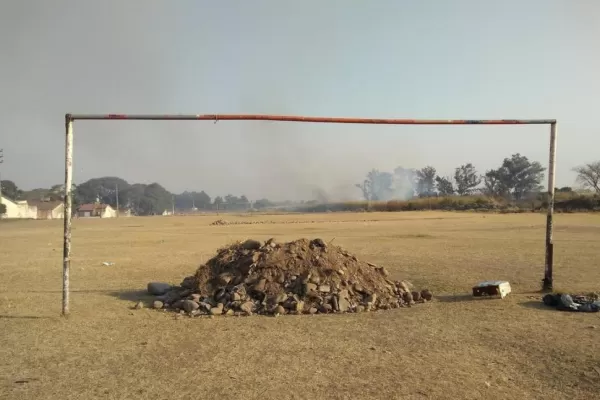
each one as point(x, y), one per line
point(312, 310)
point(216, 311)
point(279, 310)
point(260, 285)
point(177, 305)
point(310, 287)
point(326, 308)
point(139, 305)
point(335, 304)
point(426, 295)
point(299, 306)
point(324, 288)
point(229, 312)
point(343, 304)
point(416, 296)
point(344, 294)
point(236, 297)
point(360, 308)
point(316, 279)
point(251, 244)
point(405, 286)
point(158, 288)
point(205, 306)
point(318, 243)
point(157, 305)
point(271, 243)
point(195, 297)
point(408, 298)
point(190, 305)
point(247, 307)
point(224, 279)
point(358, 288)
point(383, 271)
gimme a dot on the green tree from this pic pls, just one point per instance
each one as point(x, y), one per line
point(10, 190)
point(444, 186)
point(517, 177)
point(467, 179)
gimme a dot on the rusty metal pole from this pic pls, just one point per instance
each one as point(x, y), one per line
point(68, 205)
point(549, 262)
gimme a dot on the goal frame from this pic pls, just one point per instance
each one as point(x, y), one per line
point(68, 193)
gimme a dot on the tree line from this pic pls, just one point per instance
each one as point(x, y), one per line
point(516, 178)
point(139, 198)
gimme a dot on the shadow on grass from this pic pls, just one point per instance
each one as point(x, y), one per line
point(131, 295)
point(536, 305)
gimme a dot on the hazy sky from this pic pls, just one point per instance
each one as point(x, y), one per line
point(403, 59)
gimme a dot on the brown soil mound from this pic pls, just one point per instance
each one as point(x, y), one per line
point(297, 277)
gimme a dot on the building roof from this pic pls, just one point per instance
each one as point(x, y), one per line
point(46, 205)
point(92, 207)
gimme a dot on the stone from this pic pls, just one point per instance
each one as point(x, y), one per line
point(310, 287)
point(260, 285)
point(279, 310)
point(405, 286)
point(216, 310)
point(229, 312)
point(236, 296)
point(318, 243)
point(426, 295)
point(247, 307)
point(358, 288)
point(383, 271)
point(416, 296)
point(408, 298)
point(326, 308)
point(251, 244)
point(205, 306)
point(360, 308)
point(324, 288)
point(177, 305)
point(139, 305)
point(224, 279)
point(312, 310)
point(343, 304)
point(316, 279)
point(335, 304)
point(344, 294)
point(190, 305)
point(195, 297)
point(271, 242)
point(157, 305)
point(299, 306)
point(158, 288)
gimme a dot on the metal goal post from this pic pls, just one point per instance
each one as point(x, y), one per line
point(70, 118)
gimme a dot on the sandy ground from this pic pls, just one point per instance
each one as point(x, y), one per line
point(452, 348)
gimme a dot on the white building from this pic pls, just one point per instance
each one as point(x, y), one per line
point(18, 209)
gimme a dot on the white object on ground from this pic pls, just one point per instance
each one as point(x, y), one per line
point(108, 263)
point(492, 288)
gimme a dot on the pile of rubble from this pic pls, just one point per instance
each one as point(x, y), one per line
point(299, 277)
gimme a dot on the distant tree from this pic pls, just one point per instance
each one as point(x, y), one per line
point(404, 183)
point(376, 186)
point(262, 203)
point(564, 189)
point(426, 181)
point(588, 175)
point(218, 201)
point(444, 186)
point(516, 177)
point(104, 190)
point(10, 190)
point(467, 179)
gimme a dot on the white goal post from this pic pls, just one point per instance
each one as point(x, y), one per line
point(70, 118)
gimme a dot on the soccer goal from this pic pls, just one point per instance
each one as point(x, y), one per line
point(70, 118)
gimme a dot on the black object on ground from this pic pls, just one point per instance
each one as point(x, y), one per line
point(577, 303)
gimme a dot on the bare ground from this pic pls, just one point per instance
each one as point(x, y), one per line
point(452, 348)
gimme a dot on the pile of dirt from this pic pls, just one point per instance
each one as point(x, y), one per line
point(219, 222)
point(289, 278)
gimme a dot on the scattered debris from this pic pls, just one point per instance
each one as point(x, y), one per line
point(492, 288)
point(299, 277)
point(108, 263)
point(566, 302)
point(139, 305)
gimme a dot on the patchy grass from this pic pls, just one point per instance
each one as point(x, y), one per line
point(452, 348)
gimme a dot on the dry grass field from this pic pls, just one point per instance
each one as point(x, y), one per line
point(451, 348)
